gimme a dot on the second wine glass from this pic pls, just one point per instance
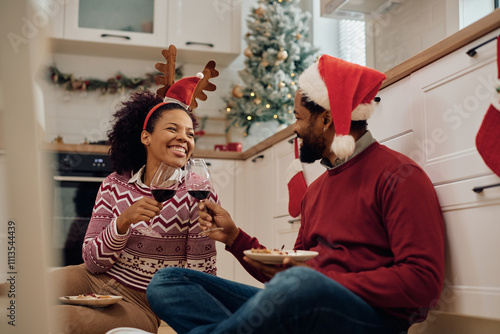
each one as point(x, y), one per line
point(199, 184)
point(163, 187)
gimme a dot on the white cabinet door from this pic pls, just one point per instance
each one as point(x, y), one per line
point(126, 22)
point(393, 115)
point(259, 186)
point(451, 99)
point(223, 174)
point(472, 269)
point(201, 25)
point(286, 231)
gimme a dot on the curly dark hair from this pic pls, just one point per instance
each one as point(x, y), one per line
point(127, 152)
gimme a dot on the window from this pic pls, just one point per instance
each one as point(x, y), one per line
point(352, 41)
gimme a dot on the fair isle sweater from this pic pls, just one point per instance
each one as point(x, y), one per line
point(133, 258)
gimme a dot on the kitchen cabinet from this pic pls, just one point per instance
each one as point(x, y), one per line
point(284, 156)
point(139, 28)
point(286, 230)
point(130, 22)
point(450, 100)
point(205, 26)
point(223, 175)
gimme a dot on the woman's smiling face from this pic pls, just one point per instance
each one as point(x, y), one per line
point(172, 140)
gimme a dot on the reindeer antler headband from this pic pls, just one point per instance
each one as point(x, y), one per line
point(185, 91)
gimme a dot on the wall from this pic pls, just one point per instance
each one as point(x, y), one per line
point(410, 28)
point(77, 116)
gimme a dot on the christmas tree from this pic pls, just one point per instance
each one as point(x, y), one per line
point(277, 53)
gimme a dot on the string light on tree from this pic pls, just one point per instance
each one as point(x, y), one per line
point(276, 49)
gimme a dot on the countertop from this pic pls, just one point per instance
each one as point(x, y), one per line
point(424, 58)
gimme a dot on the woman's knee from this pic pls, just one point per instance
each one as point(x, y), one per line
point(159, 285)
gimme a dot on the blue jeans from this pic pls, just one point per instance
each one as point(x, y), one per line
point(297, 300)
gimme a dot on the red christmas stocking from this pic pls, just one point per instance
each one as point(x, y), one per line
point(488, 136)
point(296, 185)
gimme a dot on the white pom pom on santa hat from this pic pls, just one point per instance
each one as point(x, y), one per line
point(347, 90)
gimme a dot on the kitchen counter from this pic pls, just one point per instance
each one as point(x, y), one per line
point(424, 58)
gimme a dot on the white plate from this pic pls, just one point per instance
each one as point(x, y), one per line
point(89, 301)
point(299, 255)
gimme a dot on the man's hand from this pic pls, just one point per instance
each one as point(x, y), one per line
point(269, 270)
point(213, 215)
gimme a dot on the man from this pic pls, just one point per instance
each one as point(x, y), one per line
point(373, 216)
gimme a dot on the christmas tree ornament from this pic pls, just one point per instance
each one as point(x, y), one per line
point(237, 92)
point(488, 136)
point(248, 52)
point(264, 63)
point(351, 88)
point(184, 91)
point(282, 55)
point(298, 36)
point(260, 11)
point(297, 185)
point(257, 101)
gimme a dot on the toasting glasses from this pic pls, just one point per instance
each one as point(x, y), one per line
point(199, 184)
point(163, 187)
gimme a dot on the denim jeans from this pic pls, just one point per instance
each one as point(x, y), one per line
point(297, 300)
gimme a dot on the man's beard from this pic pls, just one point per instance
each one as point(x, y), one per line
point(312, 148)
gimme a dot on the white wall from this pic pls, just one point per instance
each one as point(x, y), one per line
point(410, 28)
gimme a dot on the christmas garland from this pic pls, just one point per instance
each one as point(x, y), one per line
point(116, 84)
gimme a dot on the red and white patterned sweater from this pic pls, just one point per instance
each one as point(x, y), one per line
point(133, 258)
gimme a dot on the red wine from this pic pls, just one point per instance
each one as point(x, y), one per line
point(199, 194)
point(162, 195)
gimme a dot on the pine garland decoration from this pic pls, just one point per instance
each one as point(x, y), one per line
point(116, 84)
point(277, 53)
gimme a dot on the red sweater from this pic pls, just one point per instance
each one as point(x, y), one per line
point(377, 225)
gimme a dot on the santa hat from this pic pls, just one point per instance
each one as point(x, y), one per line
point(181, 92)
point(347, 90)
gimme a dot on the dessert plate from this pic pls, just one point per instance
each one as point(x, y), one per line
point(276, 257)
point(97, 301)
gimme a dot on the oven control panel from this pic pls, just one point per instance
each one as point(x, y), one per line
point(81, 164)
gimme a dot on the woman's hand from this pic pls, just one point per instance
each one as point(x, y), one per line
point(144, 209)
point(213, 215)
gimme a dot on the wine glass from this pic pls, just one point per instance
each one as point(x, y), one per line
point(163, 187)
point(199, 184)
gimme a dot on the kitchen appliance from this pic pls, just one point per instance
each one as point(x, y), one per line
point(76, 181)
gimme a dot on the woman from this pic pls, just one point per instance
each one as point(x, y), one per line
point(119, 260)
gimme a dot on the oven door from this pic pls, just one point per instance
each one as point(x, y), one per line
point(74, 198)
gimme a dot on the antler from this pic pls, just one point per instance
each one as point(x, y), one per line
point(168, 69)
point(208, 72)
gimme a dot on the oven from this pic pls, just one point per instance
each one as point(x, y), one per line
point(76, 181)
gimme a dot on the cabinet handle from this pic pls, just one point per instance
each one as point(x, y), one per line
point(118, 36)
point(198, 43)
point(257, 158)
point(291, 221)
point(472, 52)
point(481, 188)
